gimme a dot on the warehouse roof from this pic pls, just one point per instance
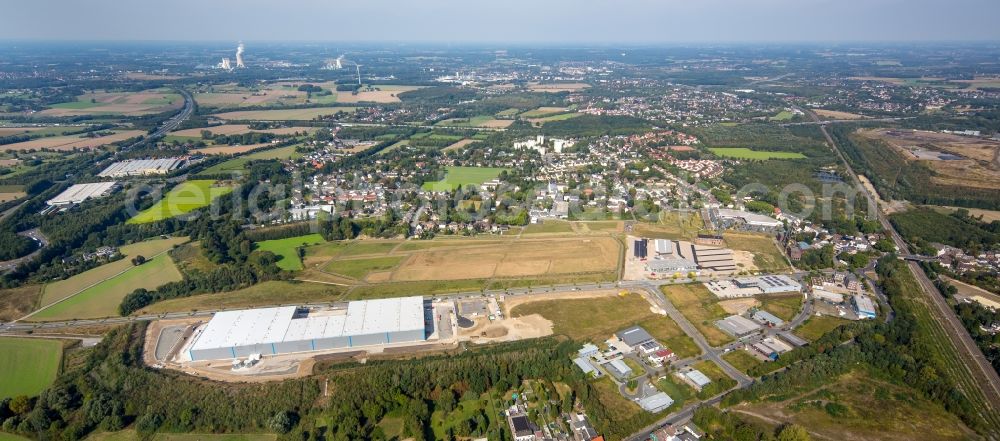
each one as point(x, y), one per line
point(78, 193)
point(633, 336)
point(737, 325)
point(656, 403)
point(274, 325)
point(762, 317)
point(697, 377)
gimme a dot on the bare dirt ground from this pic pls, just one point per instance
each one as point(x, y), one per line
point(739, 306)
point(458, 145)
point(980, 168)
point(511, 302)
point(10, 196)
point(744, 261)
point(508, 329)
point(514, 259)
point(498, 123)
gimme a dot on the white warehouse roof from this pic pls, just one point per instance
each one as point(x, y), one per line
point(78, 193)
point(275, 325)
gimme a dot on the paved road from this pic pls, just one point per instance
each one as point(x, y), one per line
point(977, 364)
point(174, 121)
point(34, 234)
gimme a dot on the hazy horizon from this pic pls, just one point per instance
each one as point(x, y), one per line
point(554, 22)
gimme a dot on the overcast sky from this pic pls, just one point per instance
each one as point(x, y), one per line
point(511, 21)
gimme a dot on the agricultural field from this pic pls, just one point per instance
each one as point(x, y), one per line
point(557, 87)
point(485, 121)
point(559, 117)
point(236, 165)
point(783, 115)
point(457, 177)
point(38, 131)
point(262, 294)
point(755, 155)
point(360, 268)
point(544, 111)
point(458, 145)
point(522, 258)
point(29, 365)
point(229, 149)
point(184, 198)
point(239, 129)
point(18, 302)
point(119, 103)
point(766, 255)
point(701, 308)
point(394, 268)
point(834, 114)
point(616, 313)
point(11, 192)
point(72, 142)
point(549, 227)
point(287, 250)
point(671, 225)
point(843, 408)
point(308, 114)
point(376, 93)
point(98, 292)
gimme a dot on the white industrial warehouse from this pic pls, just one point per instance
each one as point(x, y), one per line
point(284, 330)
point(80, 192)
point(141, 167)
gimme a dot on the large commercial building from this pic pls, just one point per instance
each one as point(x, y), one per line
point(141, 167)
point(737, 326)
point(675, 256)
point(747, 218)
point(283, 330)
point(81, 192)
point(752, 286)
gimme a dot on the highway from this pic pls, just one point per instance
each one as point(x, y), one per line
point(976, 364)
point(174, 121)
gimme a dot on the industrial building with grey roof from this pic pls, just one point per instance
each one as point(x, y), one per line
point(283, 330)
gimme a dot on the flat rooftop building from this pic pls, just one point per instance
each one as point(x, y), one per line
point(764, 318)
point(634, 336)
point(864, 306)
point(80, 192)
point(737, 326)
point(141, 167)
point(656, 402)
point(283, 330)
point(697, 378)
